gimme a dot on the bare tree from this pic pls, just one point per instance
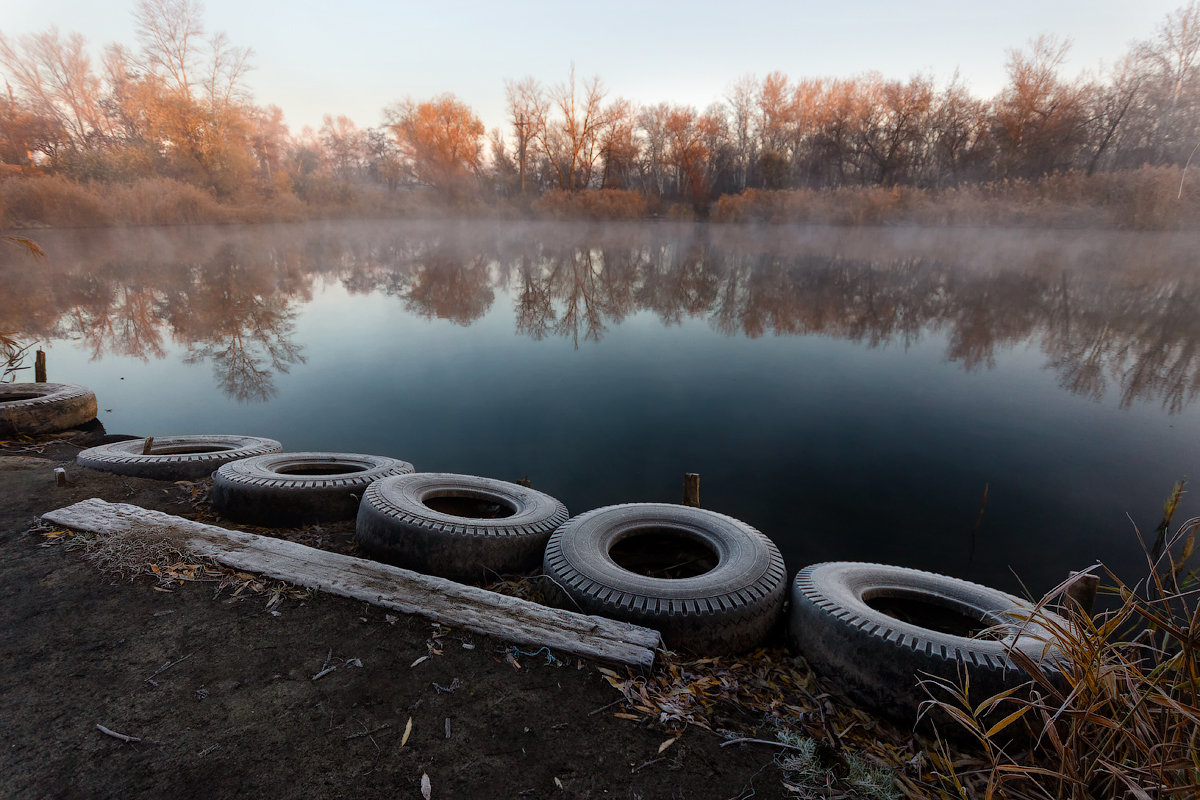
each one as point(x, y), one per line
point(228, 66)
point(1040, 120)
point(571, 142)
point(170, 32)
point(527, 109)
point(56, 80)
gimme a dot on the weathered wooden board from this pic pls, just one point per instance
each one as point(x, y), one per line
point(438, 599)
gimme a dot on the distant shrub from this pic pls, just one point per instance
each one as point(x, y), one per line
point(161, 201)
point(1143, 199)
point(50, 200)
point(595, 204)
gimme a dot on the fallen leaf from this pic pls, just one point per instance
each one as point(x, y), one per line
point(608, 672)
point(407, 732)
point(426, 787)
point(667, 744)
point(622, 715)
point(418, 661)
point(559, 783)
point(390, 619)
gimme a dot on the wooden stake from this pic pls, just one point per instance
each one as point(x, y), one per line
point(148, 446)
point(691, 489)
point(39, 367)
point(60, 476)
point(1083, 592)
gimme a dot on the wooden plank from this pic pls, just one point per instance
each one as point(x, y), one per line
point(508, 618)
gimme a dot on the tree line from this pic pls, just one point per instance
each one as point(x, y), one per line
point(176, 105)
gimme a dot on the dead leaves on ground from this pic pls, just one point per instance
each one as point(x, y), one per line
point(169, 573)
point(767, 691)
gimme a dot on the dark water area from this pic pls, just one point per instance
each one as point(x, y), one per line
point(849, 392)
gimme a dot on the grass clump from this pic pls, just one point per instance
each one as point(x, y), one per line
point(1124, 718)
point(812, 770)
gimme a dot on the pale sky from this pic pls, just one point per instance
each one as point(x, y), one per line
point(357, 56)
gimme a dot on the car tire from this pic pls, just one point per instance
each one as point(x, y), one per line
point(728, 607)
point(877, 630)
point(289, 489)
point(476, 529)
point(174, 458)
point(33, 408)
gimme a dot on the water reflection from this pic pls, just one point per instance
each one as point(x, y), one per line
point(1110, 313)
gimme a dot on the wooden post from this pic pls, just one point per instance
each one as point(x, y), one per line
point(691, 489)
point(148, 446)
point(39, 367)
point(1083, 592)
point(60, 476)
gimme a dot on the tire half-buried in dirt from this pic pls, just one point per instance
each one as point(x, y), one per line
point(709, 583)
point(174, 458)
point(285, 489)
point(32, 408)
point(875, 630)
point(462, 527)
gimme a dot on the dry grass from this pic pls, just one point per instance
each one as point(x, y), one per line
point(1144, 199)
point(596, 204)
point(150, 554)
point(1125, 722)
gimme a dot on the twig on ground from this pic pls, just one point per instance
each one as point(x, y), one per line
point(604, 707)
point(166, 667)
point(115, 735)
point(368, 733)
point(761, 741)
point(642, 766)
point(325, 668)
point(324, 672)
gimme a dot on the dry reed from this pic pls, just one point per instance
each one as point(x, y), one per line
point(1124, 721)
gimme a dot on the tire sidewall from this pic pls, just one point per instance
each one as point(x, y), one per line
point(126, 457)
point(585, 542)
point(878, 659)
point(730, 608)
point(253, 491)
point(57, 407)
point(395, 525)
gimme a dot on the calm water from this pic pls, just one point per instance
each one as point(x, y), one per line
point(851, 393)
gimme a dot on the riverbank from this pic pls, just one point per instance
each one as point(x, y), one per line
point(214, 674)
point(1146, 199)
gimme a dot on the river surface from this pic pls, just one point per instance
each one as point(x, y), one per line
point(1001, 405)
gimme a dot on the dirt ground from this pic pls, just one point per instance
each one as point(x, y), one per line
point(221, 692)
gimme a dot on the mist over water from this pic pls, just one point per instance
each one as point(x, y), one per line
point(850, 392)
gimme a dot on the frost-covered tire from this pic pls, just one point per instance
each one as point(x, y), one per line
point(838, 624)
point(174, 458)
point(478, 528)
point(286, 489)
point(727, 608)
point(31, 408)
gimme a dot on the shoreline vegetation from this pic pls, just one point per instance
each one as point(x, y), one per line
point(1146, 199)
point(166, 131)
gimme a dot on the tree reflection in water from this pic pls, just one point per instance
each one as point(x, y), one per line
point(1115, 314)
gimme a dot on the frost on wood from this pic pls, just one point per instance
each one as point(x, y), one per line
point(438, 599)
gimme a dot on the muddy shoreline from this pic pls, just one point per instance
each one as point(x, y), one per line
point(221, 692)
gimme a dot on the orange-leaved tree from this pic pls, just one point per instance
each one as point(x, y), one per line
point(441, 140)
